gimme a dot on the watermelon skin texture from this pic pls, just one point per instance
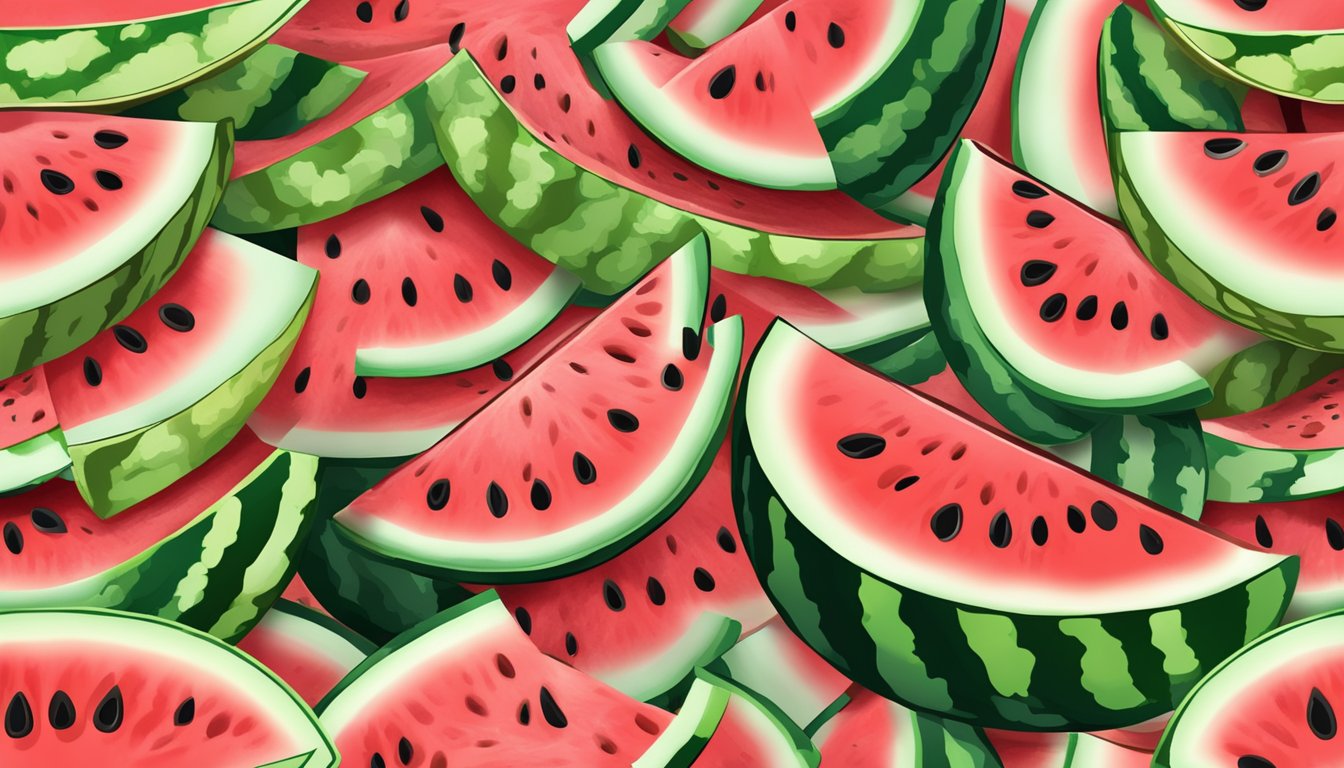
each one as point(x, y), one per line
point(1263, 374)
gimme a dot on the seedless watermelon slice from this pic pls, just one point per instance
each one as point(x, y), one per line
point(96, 687)
point(872, 732)
point(968, 566)
point(32, 446)
point(92, 236)
point(306, 649)
point(612, 432)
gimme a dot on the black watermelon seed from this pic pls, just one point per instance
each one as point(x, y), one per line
point(408, 292)
point(503, 52)
point(835, 35)
point(613, 596)
point(719, 308)
point(722, 83)
point(1270, 162)
point(654, 589)
point(1103, 515)
point(1040, 531)
point(61, 711)
point(760, 81)
point(403, 10)
point(1223, 148)
point(726, 541)
point(177, 317)
point(861, 445)
point(502, 370)
point(462, 288)
point(538, 82)
point(906, 482)
point(404, 749)
point(455, 36)
point(1119, 316)
point(364, 12)
point(1001, 530)
point(584, 471)
point(541, 495)
point(185, 713)
point(1262, 535)
point(1158, 327)
point(93, 372)
point(13, 538)
point(503, 276)
point(301, 381)
point(1087, 308)
point(107, 715)
point(1326, 220)
point(130, 338)
point(1027, 190)
point(524, 619)
point(440, 490)
point(1077, 521)
point(690, 343)
point(508, 83)
point(946, 522)
point(1334, 534)
point(704, 580)
point(622, 421)
point(571, 644)
point(632, 155)
point(1054, 307)
point(18, 717)
point(496, 500)
point(524, 713)
point(1305, 189)
point(432, 218)
point(109, 139)
point(791, 21)
point(332, 247)
point(108, 180)
point(377, 761)
point(46, 520)
point(359, 387)
point(1039, 219)
point(1250, 5)
point(672, 378)
point(57, 183)
point(1036, 272)
point(551, 711)
point(1321, 716)
point(1252, 761)
point(1150, 539)
point(359, 292)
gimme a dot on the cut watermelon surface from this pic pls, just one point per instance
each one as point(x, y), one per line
point(33, 445)
point(615, 428)
point(873, 732)
point(972, 565)
point(89, 238)
point(753, 733)
point(103, 688)
point(304, 648)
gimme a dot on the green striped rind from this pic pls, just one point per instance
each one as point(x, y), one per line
point(889, 135)
point(33, 461)
point(916, 363)
point(1302, 65)
point(781, 743)
point(1263, 374)
point(684, 739)
point(47, 332)
point(112, 64)
point(1160, 458)
point(218, 572)
point(118, 472)
point(272, 93)
point(377, 155)
point(1240, 472)
point(609, 235)
point(945, 743)
point(602, 21)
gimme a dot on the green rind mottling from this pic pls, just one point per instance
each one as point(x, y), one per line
point(1263, 374)
point(608, 235)
point(945, 743)
point(1244, 473)
point(123, 63)
point(272, 93)
point(33, 461)
point(891, 134)
point(47, 332)
point(603, 21)
point(1302, 65)
point(118, 472)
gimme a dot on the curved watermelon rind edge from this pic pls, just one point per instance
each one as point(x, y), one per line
point(1246, 473)
point(666, 680)
point(325, 624)
point(792, 737)
point(682, 741)
point(33, 461)
point(722, 18)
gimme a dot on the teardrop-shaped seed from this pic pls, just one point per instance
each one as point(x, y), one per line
point(861, 445)
point(654, 589)
point(613, 596)
point(726, 541)
point(622, 420)
point(1326, 219)
point(541, 495)
point(403, 10)
point(946, 522)
point(108, 714)
point(1087, 308)
point(502, 274)
point(508, 83)
point(1223, 147)
point(462, 288)
point(1104, 516)
point(1119, 316)
point(1027, 190)
point(672, 378)
point(718, 309)
point(108, 180)
point(56, 182)
point(1053, 307)
point(405, 752)
point(502, 370)
point(93, 372)
point(109, 139)
point(633, 157)
point(1321, 716)
point(1305, 189)
point(377, 761)
point(496, 500)
point(185, 713)
point(332, 247)
point(1039, 219)
point(905, 482)
point(704, 580)
point(1036, 272)
point(408, 292)
point(551, 710)
point(455, 36)
point(524, 619)
point(690, 343)
point(1270, 162)
point(1001, 530)
point(1251, 5)
point(177, 317)
point(722, 83)
point(1151, 540)
point(13, 538)
point(432, 218)
point(437, 496)
point(1040, 531)
point(584, 471)
point(1158, 327)
point(1334, 534)
point(1262, 535)
point(130, 339)
point(835, 36)
point(1077, 521)
point(364, 11)
point(18, 717)
point(571, 644)
point(791, 21)
point(359, 387)
point(46, 520)
point(61, 711)
point(1253, 761)
point(359, 292)
point(301, 380)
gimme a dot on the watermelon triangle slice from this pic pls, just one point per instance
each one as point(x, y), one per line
point(32, 446)
point(306, 649)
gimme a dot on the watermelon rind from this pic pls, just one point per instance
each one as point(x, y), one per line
point(184, 647)
point(882, 321)
point(1244, 473)
point(778, 742)
point(602, 21)
point(1263, 374)
point(314, 628)
point(1292, 644)
point(663, 679)
point(53, 311)
point(684, 738)
point(495, 157)
point(63, 67)
point(33, 461)
point(911, 641)
point(713, 21)
point(916, 738)
point(779, 667)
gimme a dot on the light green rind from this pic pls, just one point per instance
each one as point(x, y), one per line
point(663, 679)
point(763, 662)
point(1244, 473)
point(712, 24)
point(113, 64)
point(33, 461)
point(781, 744)
point(1301, 65)
point(603, 21)
point(1263, 374)
point(682, 741)
point(318, 633)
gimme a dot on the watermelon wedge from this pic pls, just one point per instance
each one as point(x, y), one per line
point(33, 445)
point(900, 603)
point(95, 687)
point(160, 556)
point(705, 22)
point(150, 399)
point(1263, 254)
point(751, 733)
point(71, 55)
point(602, 21)
point(1263, 374)
point(872, 732)
point(90, 238)
point(306, 649)
point(581, 481)
point(1268, 705)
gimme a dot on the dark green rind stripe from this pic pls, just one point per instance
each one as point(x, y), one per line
point(1161, 458)
point(608, 235)
point(1244, 473)
point(892, 133)
point(1302, 65)
point(945, 743)
point(47, 332)
point(1263, 374)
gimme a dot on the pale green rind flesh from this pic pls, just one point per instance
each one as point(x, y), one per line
point(656, 678)
point(683, 740)
point(762, 662)
point(780, 743)
point(1244, 473)
point(1300, 65)
point(879, 318)
point(603, 21)
point(33, 461)
point(713, 21)
point(318, 633)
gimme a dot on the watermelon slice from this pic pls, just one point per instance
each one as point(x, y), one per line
point(298, 592)
point(138, 191)
point(182, 554)
point(1003, 245)
point(601, 21)
point(432, 285)
point(479, 695)
point(1272, 47)
point(1268, 705)
point(581, 482)
point(1291, 449)
point(1263, 374)
point(775, 663)
point(34, 446)
point(71, 55)
point(903, 605)
point(872, 732)
point(148, 400)
point(95, 687)
point(1263, 254)
point(306, 649)
point(751, 733)
point(705, 22)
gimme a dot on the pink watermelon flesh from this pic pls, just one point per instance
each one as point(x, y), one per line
point(1305, 421)
point(1253, 16)
point(1030, 750)
point(864, 734)
point(310, 657)
point(25, 407)
point(76, 13)
point(298, 592)
point(525, 42)
point(1144, 736)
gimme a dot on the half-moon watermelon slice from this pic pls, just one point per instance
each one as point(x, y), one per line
point(32, 446)
point(92, 687)
point(941, 563)
point(308, 650)
point(90, 237)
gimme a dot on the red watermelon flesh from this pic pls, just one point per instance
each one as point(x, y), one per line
point(309, 653)
point(433, 286)
point(1305, 421)
point(298, 592)
point(525, 42)
point(1249, 16)
point(25, 407)
point(1017, 749)
point(75, 13)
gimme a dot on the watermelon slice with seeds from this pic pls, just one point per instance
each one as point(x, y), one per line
point(306, 649)
point(153, 397)
point(872, 732)
point(945, 601)
point(92, 236)
point(33, 446)
point(95, 687)
point(610, 433)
